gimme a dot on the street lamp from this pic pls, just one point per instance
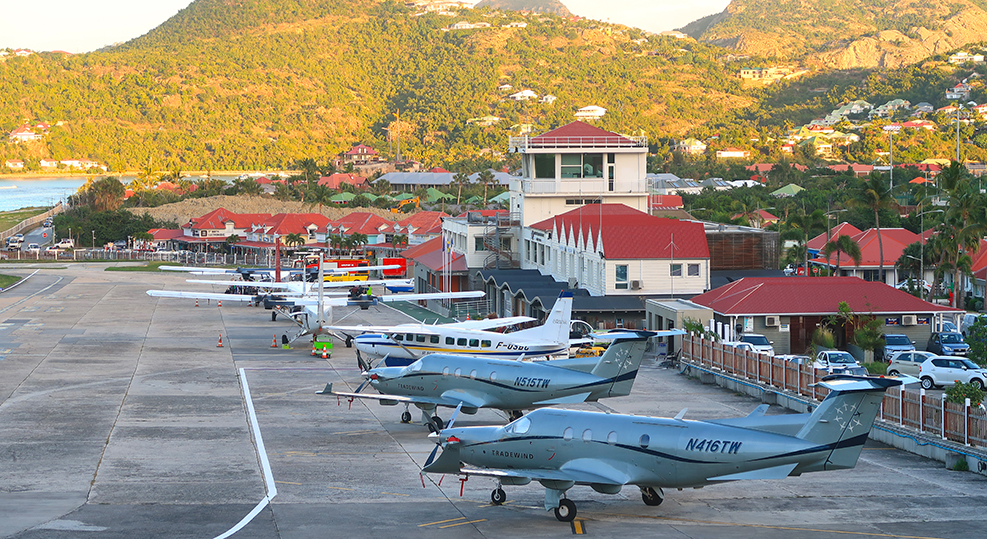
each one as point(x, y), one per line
point(958, 108)
point(891, 129)
point(829, 233)
point(94, 239)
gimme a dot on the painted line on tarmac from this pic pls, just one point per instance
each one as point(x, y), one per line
point(18, 283)
point(441, 522)
point(25, 298)
point(272, 489)
point(578, 528)
point(461, 523)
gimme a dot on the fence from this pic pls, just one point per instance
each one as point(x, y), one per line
point(31, 222)
point(185, 258)
point(907, 407)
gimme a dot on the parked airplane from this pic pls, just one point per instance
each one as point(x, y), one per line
point(475, 382)
point(409, 342)
point(563, 448)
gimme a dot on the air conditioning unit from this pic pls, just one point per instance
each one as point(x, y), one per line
point(573, 282)
point(635, 285)
point(909, 320)
point(772, 321)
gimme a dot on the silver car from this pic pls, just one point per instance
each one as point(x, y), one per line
point(907, 362)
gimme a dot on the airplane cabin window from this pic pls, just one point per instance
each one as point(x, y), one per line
point(567, 433)
point(416, 366)
point(409, 337)
point(485, 344)
point(612, 437)
point(458, 373)
point(450, 340)
point(473, 374)
point(460, 342)
point(434, 339)
point(645, 440)
point(474, 342)
point(587, 435)
point(420, 338)
point(493, 376)
point(398, 337)
point(445, 371)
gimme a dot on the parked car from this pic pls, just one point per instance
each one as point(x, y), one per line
point(948, 343)
point(33, 248)
point(14, 245)
point(795, 358)
point(761, 343)
point(65, 243)
point(51, 250)
point(946, 371)
point(740, 345)
point(903, 285)
point(968, 320)
point(949, 326)
point(837, 362)
point(894, 342)
point(907, 362)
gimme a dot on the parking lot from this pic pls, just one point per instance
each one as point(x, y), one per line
point(120, 416)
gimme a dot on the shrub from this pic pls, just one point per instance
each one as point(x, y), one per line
point(960, 391)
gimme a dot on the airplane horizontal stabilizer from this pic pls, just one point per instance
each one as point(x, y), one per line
point(571, 399)
point(777, 472)
point(326, 390)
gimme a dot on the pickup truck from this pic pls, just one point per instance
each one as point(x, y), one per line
point(837, 362)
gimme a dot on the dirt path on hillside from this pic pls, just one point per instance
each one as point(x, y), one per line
point(181, 212)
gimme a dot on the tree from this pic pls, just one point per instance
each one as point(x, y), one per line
point(247, 186)
point(874, 194)
point(460, 180)
point(843, 244)
point(294, 240)
point(399, 240)
point(805, 225)
point(358, 241)
point(487, 178)
point(320, 195)
point(232, 240)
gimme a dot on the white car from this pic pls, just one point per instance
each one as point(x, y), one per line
point(947, 370)
point(761, 343)
point(796, 359)
point(739, 345)
point(33, 248)
point(968, 320)
point(837, 362)
point(903, 285)
point(907, 362)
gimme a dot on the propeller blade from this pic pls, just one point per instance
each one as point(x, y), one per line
point(454, 416)
point(431, 456)
point(365, 382)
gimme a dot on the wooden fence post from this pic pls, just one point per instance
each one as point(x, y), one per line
point(942, 417)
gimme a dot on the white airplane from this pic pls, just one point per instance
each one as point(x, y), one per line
point(403, 344)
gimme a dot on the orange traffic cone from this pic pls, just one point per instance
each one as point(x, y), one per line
point(196, 302)
point(314, 350)
point(324, 354)
point(274, 342)
point(220, 304)
point(220, 345)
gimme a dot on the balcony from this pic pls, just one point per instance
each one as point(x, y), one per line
point(595, 186)
point(522, 144)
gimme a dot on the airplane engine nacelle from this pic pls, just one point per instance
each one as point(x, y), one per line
point(606, 489)
point(515, 480)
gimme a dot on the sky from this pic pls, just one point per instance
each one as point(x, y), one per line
point(86, 25)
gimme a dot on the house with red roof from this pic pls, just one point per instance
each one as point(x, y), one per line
point(858, 170)
point(335, 181)
point(219, 224)
point(759, 218)
point(894, 239)
point(14, 164)
point(436, 268)
point(574, 165)
point(264, 233)
point(787, 310)
point(373, 226)
point(421, 226)
point(361, 154)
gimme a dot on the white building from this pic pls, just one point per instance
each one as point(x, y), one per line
point(591, 112)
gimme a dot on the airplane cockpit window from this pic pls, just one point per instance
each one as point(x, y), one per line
point(485, 344)
point(567, 434)
point(612, 437)
point(587, 435)
point(416, 366)
point(520, 426)
point(645, 440)
point(434, 339)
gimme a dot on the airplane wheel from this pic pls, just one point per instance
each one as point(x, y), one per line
point(438, 422)
point(274, 317)
point(566, 511)
point(498, 496)
point(430, 427)
point(651, 496)
point(349, 342)
point(406, 417)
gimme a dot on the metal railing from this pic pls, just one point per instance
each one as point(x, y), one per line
point(960, 423)
point(31, 222)
point(603, 141)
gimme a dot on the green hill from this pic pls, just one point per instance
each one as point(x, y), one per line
point(845, 34)
point(537, 6)
point(267, 82)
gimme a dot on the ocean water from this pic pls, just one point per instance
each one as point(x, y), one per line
point(16, 193)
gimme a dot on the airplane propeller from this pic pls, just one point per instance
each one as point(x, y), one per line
point(438, 436)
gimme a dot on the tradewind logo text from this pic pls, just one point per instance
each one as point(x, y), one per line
point(512, 455)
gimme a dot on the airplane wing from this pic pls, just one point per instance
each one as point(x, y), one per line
point(199, 295)
point(386, 399)
point(193, 269)
point(580, 476)
point(490, 323)
point(434, 295)
point(406, 328)
point(356, 269)
point(312, 287)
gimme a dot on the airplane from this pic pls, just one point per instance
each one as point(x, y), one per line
point(563, 448)
point(404, 343)
point(471, 383)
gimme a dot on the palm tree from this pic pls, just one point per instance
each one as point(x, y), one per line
point(487, 178)
point(964, 220)
point(843, 244)
point(294, 240)
point(804, 226)
point(874, 194)
point(283, 191)
point(232, 240)
point(320, 195)
point(460, 180)
point(399, 240)
point(358, 241)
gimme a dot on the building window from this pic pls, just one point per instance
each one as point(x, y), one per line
point(544, 165)
point(675, 270)
point(479, 246)
point(620, 276)
point(587, 165)
point(693, 270)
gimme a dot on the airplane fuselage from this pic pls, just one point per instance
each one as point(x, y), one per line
point(410, 345)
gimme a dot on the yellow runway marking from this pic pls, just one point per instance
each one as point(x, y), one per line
point(441, 522)
point(395, 494)
point(577, 528)
point(461, 523)
point(287, 483)
point(339, 488)
point(768, 527)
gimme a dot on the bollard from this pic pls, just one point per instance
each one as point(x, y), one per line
point(196, 302)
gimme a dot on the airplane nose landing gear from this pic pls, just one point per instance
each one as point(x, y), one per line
point(651, 496)
point(406, 416)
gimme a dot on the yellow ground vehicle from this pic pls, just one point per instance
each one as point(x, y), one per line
point(589, 351)
point(416, 201)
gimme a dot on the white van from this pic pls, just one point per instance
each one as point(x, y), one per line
point(968, 320)
point(65, 243)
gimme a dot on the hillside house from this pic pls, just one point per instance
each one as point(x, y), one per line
point(591, 112)
point(732, 153)
point(690, 146)
point(960, 91)
point(963, 57)
point(523, 95)
point(361, 155)
point(14, 164)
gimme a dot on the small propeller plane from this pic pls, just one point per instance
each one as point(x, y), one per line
point(472, 383)
point(563, 448)
point(404, 343)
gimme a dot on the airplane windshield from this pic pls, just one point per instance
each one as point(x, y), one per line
point(520, 426)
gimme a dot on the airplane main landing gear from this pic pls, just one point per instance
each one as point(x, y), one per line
point(566, 511)
point(406, 417)
point(651, 496)
point(498, 496)
point(515, 414)
point(437, 421)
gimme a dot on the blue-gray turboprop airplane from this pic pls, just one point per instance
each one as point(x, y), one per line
point(472, 383)
point(563, 448)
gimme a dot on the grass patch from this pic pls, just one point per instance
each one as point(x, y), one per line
point(7, 280)
point(10, 218)
point(150, 266)
point(876, 367)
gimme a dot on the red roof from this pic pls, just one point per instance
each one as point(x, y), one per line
point(437, 169)
point(161, 234)
point(436, 261)
point(895, 240)
point(216, 219)
point(811, 296)
point(852, 167)
point(766, 167)
point(420, 222)
point(979, 258)
point(361, 149)
point(764, 215)
point(433, 244)
point(360, 223)
point(665, 201)
point(842, 229)
point(335, 180)
point(582, 132)
point(293, 223)
point(626, 233)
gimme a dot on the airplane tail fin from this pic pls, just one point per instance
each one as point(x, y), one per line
point(621, 362)
point(843, 420)
point(556, 326)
